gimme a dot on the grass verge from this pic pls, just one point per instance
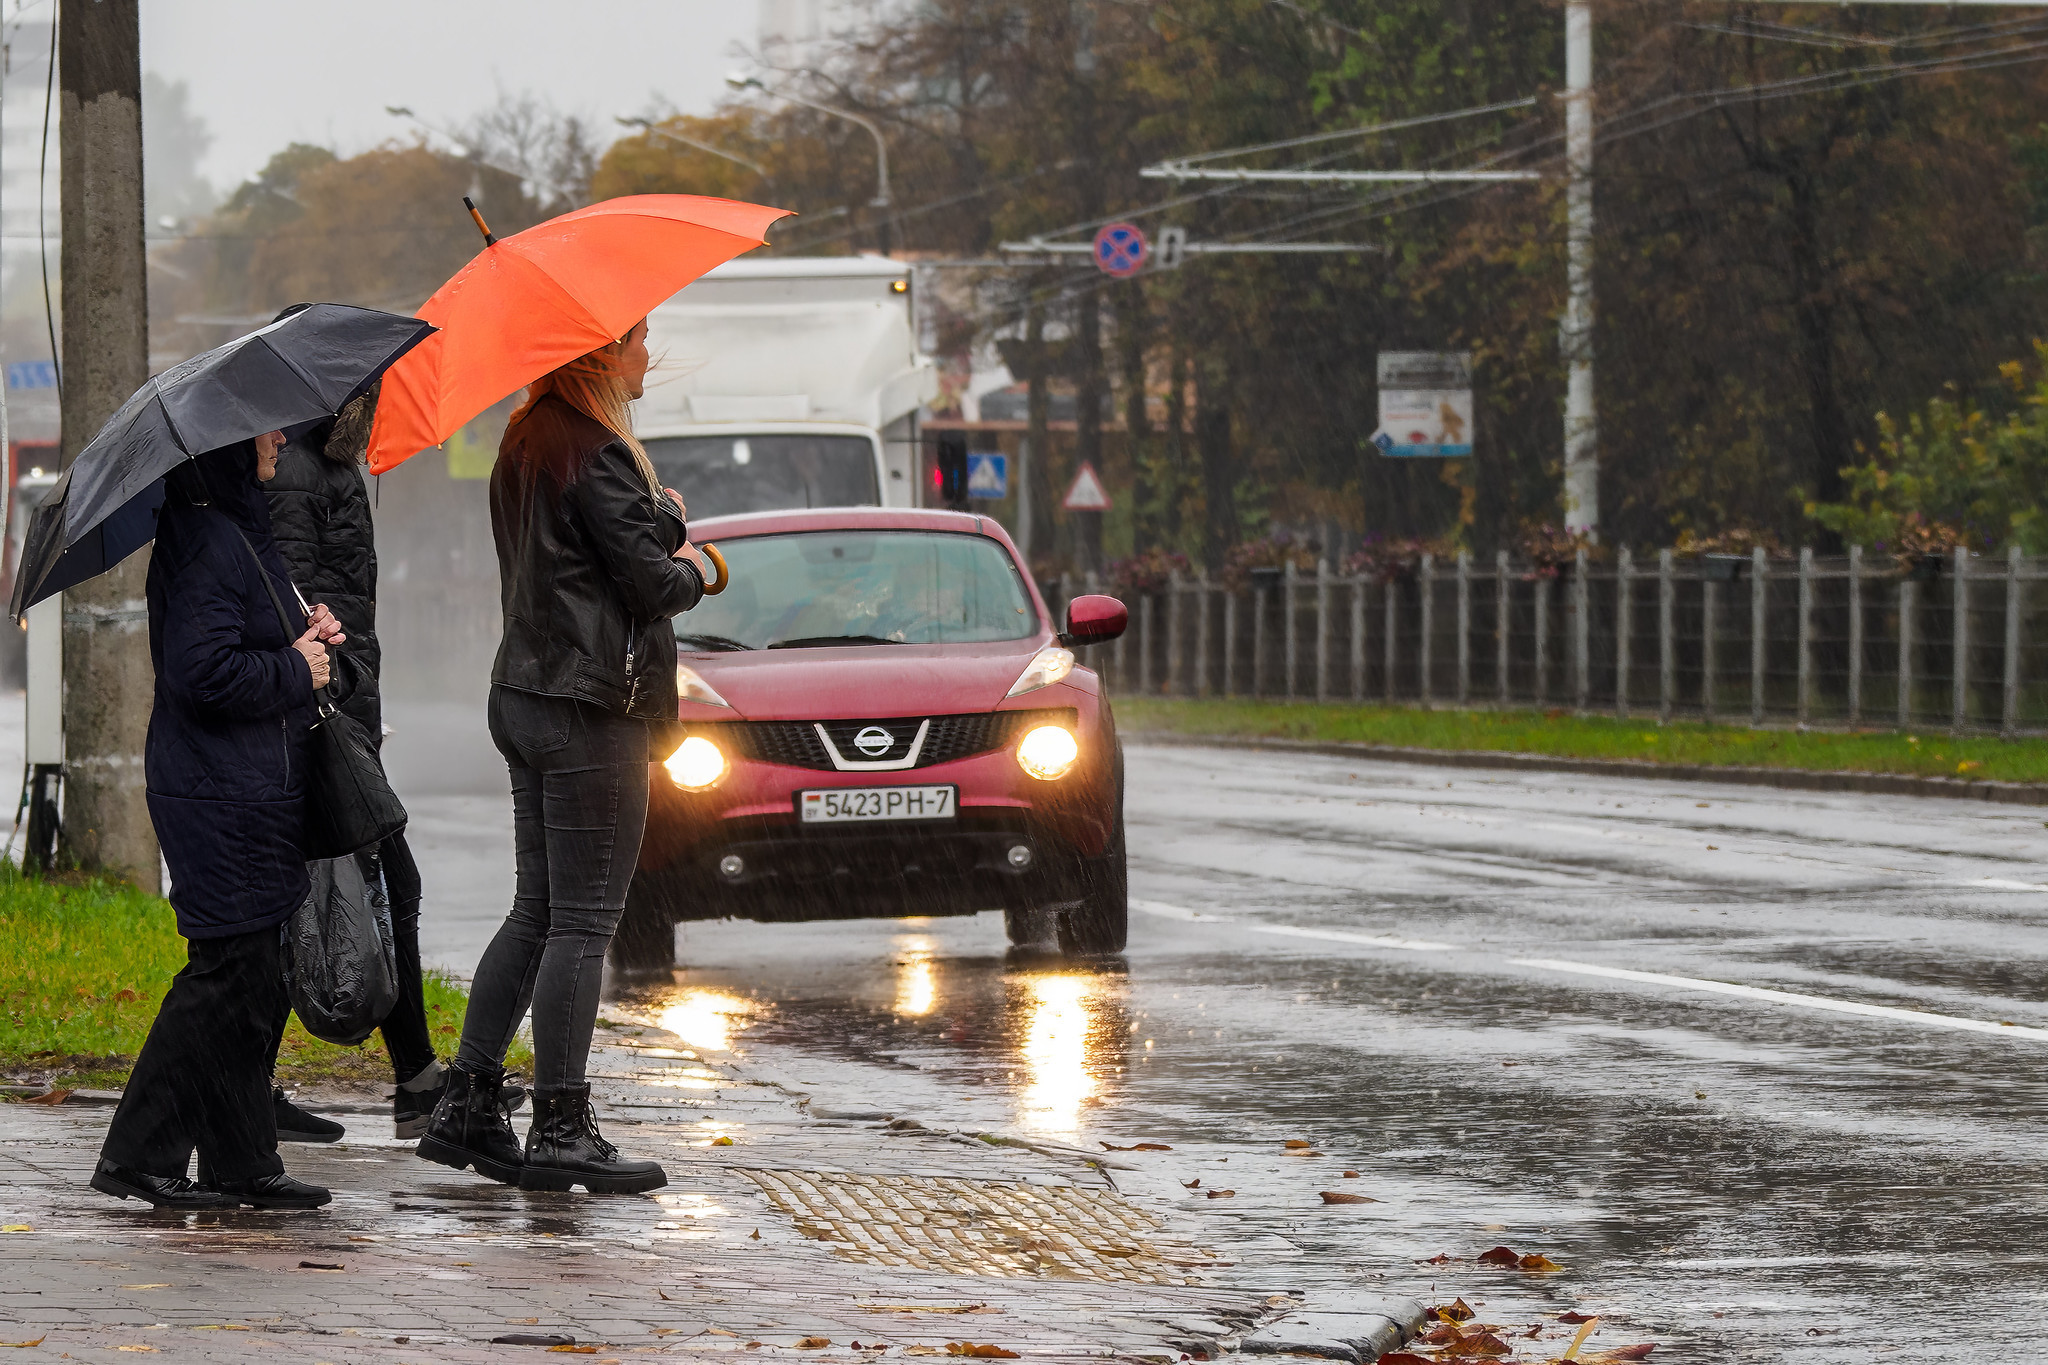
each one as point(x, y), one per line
point(84, 962)
point(1561, 735)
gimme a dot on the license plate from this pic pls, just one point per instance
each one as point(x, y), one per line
point(841, 805)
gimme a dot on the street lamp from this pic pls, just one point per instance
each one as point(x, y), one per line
point(881, 199)
point(649, 126)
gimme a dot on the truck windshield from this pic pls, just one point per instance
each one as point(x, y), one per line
point(827, 588)
point(721, 475)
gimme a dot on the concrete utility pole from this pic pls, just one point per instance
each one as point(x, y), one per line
point(1575, 332)
point(107, 677)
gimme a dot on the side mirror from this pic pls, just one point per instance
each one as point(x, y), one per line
point(1094, 620)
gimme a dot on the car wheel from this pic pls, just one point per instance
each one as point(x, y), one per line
point(1100, 924)
point(646, 937)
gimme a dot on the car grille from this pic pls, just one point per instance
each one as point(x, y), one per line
point(795, 743)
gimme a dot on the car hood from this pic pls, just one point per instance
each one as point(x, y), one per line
point(861, 682)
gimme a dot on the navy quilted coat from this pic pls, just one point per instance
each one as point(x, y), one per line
point(226, 756)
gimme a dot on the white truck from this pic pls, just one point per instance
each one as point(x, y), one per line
point(788, 382)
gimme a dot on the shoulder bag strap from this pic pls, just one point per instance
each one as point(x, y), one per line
point(277, 604)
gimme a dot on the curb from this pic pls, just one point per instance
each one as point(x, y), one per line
point(1793, 779)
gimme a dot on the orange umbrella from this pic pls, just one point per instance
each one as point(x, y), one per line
point(544, 296)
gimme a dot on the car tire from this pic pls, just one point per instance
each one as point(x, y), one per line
point(1100, 924)
point(646, 937)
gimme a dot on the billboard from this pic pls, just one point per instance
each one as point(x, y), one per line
point(1425, 404)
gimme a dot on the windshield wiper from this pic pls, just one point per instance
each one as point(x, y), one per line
point(811, 641)
point(723, 642)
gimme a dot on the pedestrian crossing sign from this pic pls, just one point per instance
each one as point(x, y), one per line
point(988, 475)
point(1087, 493)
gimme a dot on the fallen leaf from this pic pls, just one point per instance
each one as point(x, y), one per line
point(1119, 1251)
point(719, 1332)
point(1573, 1316)
point(657, 1294)
point(19, 1344)
point(1194, 1184)
point(1351, 1175)
point(1441, 1335)
point(721, 1142)
point(1137, 1147)
point(1402, 1358)
point(17, 1227)
point(150, 1349)
point(663, 1331)
point(1478, 1344)
point(754, 1236)
point(1499, 1256)
point(1310, 1151)
point(1441, 1258)
point(813, 1343)
point(575, 1350)
point(528, 1322)
point(1455, 1311)
point(58, 1097)
point(126, 996)
point(1339, 1197)
point(366, 1239)
point(1537, 1261)
point(1295, 1144)
point(988, 1351)
point(1222, 1194)
point(1713, 848)
point(922, 1351)
point(320, 1265)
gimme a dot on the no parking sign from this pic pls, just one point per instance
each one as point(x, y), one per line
point(1120, 250)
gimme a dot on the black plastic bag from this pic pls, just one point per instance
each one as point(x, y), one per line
point(341, 965)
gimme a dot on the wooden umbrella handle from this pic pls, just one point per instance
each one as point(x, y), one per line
point(717, 586)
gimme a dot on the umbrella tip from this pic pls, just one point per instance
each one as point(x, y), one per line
point(490, 239)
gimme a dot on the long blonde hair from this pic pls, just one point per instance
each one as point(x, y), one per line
point(595, 386)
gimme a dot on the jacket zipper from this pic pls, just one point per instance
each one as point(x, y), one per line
point(632, 683)
point(284, 731)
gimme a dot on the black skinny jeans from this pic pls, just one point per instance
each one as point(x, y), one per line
point(405, 1029)
point(579, 807)
point(203, 1077)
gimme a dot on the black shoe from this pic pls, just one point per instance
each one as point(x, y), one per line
point(164, 1191)
point(296, 1125)
point(469, 1128)
point(565, 1149)
point(411, 1110)
point(278, 1191)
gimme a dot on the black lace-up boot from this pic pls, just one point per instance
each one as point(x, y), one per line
point(565, 1149)
point(469, 1127)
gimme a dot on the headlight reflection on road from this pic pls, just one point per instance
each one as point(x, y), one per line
point(1056, 1054)
point(706, 1018)
point(917, 986)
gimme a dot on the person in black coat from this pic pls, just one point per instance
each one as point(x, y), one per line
point(320, 511)
point(225, 765)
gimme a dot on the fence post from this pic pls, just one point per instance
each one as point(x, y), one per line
point(1667, 637)
point(1909, 601)
point(1389, 635)
point(1145, 645)
point(1322, 630)
point(1425, 582)
point(1710, 607)
point(1229, 641)
point(1464, 626)
point(1198, 679)
point(1258, 598)
point(1582, 631)
point(1855, 633)
point(1805, 633)
point(1959, 637)
point(1540, 586)
point(1288, 626)
point(1176, 642)
point(1624, 622)
point(2009, 702)
point(1759, 623)
point(1500, 626)
point(1358, 638)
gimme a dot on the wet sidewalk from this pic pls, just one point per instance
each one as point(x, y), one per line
point(788, 1228)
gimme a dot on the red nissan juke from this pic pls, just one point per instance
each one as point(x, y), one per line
point(880, 719)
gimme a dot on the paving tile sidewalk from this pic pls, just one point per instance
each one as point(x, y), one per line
point(885, 1239)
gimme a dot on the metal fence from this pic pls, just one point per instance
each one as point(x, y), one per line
point(1854, 640)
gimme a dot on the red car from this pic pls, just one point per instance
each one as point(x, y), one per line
point(880, 719)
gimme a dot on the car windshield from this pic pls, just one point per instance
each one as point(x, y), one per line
point(861, 588)
point(719, 476)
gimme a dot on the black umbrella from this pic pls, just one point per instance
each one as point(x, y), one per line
point(299, 369)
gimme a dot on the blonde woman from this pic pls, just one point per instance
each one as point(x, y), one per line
point(593, 560)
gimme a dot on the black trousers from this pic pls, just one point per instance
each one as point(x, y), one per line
point(579, 809)
point(203, 1078)
point(405, 1030)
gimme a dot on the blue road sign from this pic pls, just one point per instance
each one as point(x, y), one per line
point(31, 374)
point(1120, 250)
point(988, 475)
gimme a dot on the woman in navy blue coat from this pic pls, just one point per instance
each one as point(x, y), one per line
point(225, 764)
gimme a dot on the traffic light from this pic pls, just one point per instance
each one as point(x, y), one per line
point(949, 475)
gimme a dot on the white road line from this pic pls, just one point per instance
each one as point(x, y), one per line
point(2004, 884)
point(1924, 1018)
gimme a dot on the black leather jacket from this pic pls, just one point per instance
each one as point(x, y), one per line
point(320, 515)
point(585, 570)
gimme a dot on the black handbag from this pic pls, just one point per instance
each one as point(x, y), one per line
point(349, 802)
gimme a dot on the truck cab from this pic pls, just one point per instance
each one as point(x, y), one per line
point(784, 383)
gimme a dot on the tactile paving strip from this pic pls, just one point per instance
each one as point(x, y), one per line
point(974, 1227)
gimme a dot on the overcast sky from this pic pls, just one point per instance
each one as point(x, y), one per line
point(264, 73)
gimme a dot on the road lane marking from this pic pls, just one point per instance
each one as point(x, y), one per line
point(2005, 884)
point(1924, 1018)
point(1812, 1002)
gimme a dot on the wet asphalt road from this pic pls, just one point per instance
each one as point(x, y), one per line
point(1414, 971)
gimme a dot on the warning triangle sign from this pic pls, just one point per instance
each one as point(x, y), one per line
point(1087, 493)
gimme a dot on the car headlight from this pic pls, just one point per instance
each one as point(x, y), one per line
point(696, 764)
point(1047, 667)
point(690, 686)
point(1048, 751)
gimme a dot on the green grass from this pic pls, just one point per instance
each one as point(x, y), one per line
point(84, 963)
point(1934, 754)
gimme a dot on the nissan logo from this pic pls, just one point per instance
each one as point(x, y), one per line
point(874, 741)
